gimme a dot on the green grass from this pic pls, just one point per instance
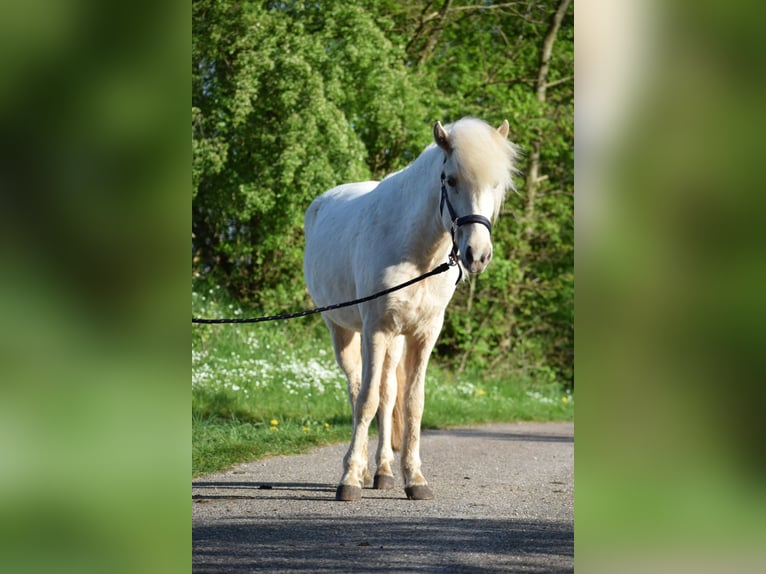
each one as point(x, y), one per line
point(274, 388)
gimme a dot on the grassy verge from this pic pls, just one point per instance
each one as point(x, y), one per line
point(274, 388)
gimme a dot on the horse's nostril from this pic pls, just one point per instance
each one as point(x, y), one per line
point(469, 254)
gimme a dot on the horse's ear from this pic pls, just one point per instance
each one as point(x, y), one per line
point(441, 137)
point(503, 129)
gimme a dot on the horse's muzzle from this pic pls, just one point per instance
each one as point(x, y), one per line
point(476, 262)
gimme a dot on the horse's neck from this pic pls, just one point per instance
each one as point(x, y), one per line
point(424, 238)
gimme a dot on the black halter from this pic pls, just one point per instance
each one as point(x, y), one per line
point(458, 222)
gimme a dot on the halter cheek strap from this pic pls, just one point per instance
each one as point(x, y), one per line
point(458, 222)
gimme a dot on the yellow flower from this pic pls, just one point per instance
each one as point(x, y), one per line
point(327, 426)
point(305, 429)
point(481, 392)
point(564, 400)
point(274, 422)
point(274, 428)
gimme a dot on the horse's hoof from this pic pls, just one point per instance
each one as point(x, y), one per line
point(348, 493)
point(419, 492)
point(383, 482)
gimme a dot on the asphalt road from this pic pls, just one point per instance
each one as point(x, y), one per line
point(504, 502)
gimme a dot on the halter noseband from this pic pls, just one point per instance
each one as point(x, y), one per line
point(458, 222)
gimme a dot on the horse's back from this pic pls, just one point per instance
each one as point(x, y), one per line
point(333, 204)
point(331, 223)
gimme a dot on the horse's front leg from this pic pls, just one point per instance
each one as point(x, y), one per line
point(374, 349)
point(384, 476)
point(418, 353)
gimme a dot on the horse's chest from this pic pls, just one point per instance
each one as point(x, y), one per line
point(421, 306)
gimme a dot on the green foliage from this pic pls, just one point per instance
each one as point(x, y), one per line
point(287, 102)
point(519, 315)
point(292, 98)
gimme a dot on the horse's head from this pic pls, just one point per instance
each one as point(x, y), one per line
point(477, 170)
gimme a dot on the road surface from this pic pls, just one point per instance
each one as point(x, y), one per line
point(504, 502)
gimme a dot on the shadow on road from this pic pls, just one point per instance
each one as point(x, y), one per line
point(215, 491)
point(505, 435)
point(265, 485)
point(366, 544)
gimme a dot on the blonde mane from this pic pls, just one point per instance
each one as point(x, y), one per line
point(484, 157)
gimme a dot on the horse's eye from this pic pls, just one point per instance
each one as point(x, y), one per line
point(452, 181)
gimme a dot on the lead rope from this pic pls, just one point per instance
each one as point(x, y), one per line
point(454, 260)
point(284, 316)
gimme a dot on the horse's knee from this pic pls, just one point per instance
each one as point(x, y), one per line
point(365, 411)
point(353, 394)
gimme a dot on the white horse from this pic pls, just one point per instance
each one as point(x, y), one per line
point(365, 237)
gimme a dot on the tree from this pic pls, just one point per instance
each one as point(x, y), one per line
point(288, 101)
point(292, 98)
point(511, 60)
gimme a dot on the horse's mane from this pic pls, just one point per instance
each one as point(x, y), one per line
point(483, 156)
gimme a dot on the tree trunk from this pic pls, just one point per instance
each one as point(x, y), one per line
point(533, 177)
point(541, 87)
point(432, 31)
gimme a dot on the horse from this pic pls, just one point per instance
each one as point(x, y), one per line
point(369, 236)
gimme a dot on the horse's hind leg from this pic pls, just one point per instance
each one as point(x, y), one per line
point(348, 354)
point(384, 476)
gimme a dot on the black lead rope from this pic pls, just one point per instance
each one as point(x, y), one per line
point(453, 260)
point(440, 269)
